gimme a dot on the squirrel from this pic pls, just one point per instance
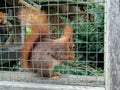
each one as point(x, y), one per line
point(37, 21)
point(50, 52)
point(3, 28)
point(38, 47)
point(3, 22)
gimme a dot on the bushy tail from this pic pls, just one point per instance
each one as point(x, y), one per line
point(37, 21)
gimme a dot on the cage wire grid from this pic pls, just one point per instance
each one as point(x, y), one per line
point(86, 17)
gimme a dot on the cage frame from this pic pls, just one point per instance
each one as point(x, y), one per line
point(109, 84)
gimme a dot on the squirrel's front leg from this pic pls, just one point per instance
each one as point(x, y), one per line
point(56, 75)
point(48, 73)
point(67, 57)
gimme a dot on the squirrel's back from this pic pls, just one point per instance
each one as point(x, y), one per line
point(37, 21)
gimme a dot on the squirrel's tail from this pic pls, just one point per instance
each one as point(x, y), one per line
point(31, 16)
point(37, 21)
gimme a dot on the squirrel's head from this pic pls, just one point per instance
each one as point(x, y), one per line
point(66, 42)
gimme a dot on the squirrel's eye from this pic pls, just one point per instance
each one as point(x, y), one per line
point(69, 39)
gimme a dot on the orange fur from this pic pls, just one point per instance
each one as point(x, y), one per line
point(37, 21)
point(49, 52)
point(2, 18)
point(3, 27)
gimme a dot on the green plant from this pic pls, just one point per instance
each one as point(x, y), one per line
point(89, 40)
point(78, 68)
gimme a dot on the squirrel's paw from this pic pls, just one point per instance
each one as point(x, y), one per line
point(71, 57)
point(56, 75)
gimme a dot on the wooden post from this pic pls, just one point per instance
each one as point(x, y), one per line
point(112, 44)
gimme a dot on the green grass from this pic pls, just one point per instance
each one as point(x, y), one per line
point(89, 40)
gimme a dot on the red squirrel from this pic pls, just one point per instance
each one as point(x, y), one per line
point(3, 28)
point(50, 52)
point(46, 53)
point(3, 22)
point(37, 21)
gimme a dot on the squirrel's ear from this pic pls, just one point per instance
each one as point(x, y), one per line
point(67, 36)
point(68, 33)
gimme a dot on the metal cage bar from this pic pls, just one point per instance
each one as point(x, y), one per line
point(85, 17)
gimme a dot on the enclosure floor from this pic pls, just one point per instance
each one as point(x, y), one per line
point(75, 80)
point(9, 85)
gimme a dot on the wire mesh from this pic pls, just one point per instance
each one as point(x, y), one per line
point(51, 53)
